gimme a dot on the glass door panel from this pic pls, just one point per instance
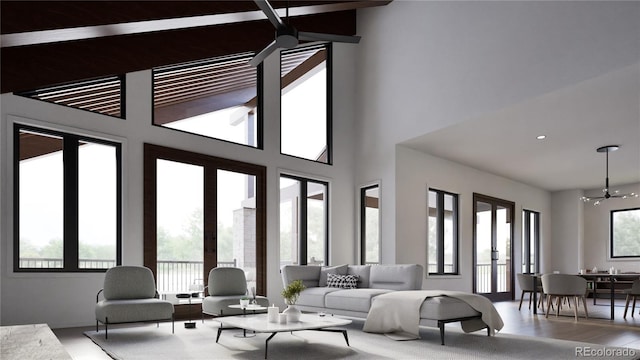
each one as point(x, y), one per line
point(493, 233)
point(316, 223)
point(180, 225)
point(502, 246)
point(236, 223)
point(289, 224)
point(484, 281)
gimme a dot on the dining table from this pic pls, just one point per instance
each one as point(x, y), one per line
point(590, 276)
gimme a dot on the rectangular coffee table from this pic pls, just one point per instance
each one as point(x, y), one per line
point(260, 324)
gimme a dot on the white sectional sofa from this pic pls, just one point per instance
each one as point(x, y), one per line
point(373, 280)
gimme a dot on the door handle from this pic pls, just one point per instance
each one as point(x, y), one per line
point(495, 254)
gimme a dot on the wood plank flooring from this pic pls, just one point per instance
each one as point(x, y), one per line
point(619, 332)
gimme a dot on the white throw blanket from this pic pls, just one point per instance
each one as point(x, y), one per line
point(397, 314)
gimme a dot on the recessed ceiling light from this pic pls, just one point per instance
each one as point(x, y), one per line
point(541, 137)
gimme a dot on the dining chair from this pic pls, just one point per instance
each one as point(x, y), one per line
point(634, 292)
point(564, 287)
point(526, 284)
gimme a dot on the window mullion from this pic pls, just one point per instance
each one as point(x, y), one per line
point(70, 163)
point(440, 231)
point(302, 248)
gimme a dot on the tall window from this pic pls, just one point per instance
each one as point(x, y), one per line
point(304, 223)
point(217, 98)
point(305, 122)
point(625, 233)
point(370, 224)
point(443, 233)
point(202, 212)
point(530, 241)
point(67, 201)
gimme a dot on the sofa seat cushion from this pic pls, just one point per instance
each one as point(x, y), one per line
point(133, 310)
point(444, 307)
point(352, 299)
point(315, 296)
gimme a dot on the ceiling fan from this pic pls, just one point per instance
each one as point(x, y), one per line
point(288, 37)
point(605, 191)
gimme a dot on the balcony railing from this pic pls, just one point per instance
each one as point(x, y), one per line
point(483, 278)
point(171, 276)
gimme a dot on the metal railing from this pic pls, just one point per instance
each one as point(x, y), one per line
point(483, 278)
point(171, 276)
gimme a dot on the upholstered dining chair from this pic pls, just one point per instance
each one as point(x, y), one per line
point(634, 292)
point(565, 286)
point(225, 287)
point(526, 284)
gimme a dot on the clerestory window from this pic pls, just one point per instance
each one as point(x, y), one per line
point(217, 98)
point(305, 118)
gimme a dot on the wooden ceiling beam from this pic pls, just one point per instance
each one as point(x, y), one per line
point(47, 63)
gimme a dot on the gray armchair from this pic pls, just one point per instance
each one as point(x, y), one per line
point(130, 296)
point(565, 286)
point(226, 286)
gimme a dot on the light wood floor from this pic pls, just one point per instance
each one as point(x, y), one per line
point(618, 332)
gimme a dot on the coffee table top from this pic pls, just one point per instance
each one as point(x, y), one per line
point(248, 307)
point(260, 323)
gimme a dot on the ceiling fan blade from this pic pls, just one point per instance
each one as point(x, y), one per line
point(263, 54)
point(312, 36)
point(271, 14)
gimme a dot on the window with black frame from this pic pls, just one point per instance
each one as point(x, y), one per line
point(217, 98)
point(304, 224)
point(67, 201)
point(625, 233)
point(370, 224)
point(305, 110)
point(443, 233)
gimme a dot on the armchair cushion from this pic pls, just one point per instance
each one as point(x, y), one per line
point(129, 282)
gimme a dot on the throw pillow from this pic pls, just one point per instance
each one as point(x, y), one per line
point(325, 270)
point(342, 281)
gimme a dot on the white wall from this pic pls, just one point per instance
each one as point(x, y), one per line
point(597, 227)
point(417, 171)
point(64, 300)
point(426, 65)
point(567, 231)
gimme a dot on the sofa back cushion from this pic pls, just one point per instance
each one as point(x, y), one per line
point(396, 277)
point(129, 282)
point(308, 274)
point(326, 270)
point(363, 272)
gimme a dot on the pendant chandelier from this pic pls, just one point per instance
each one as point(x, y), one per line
point(606, 194)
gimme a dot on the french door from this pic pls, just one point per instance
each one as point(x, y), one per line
point(493, 247)
point(202, 212)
